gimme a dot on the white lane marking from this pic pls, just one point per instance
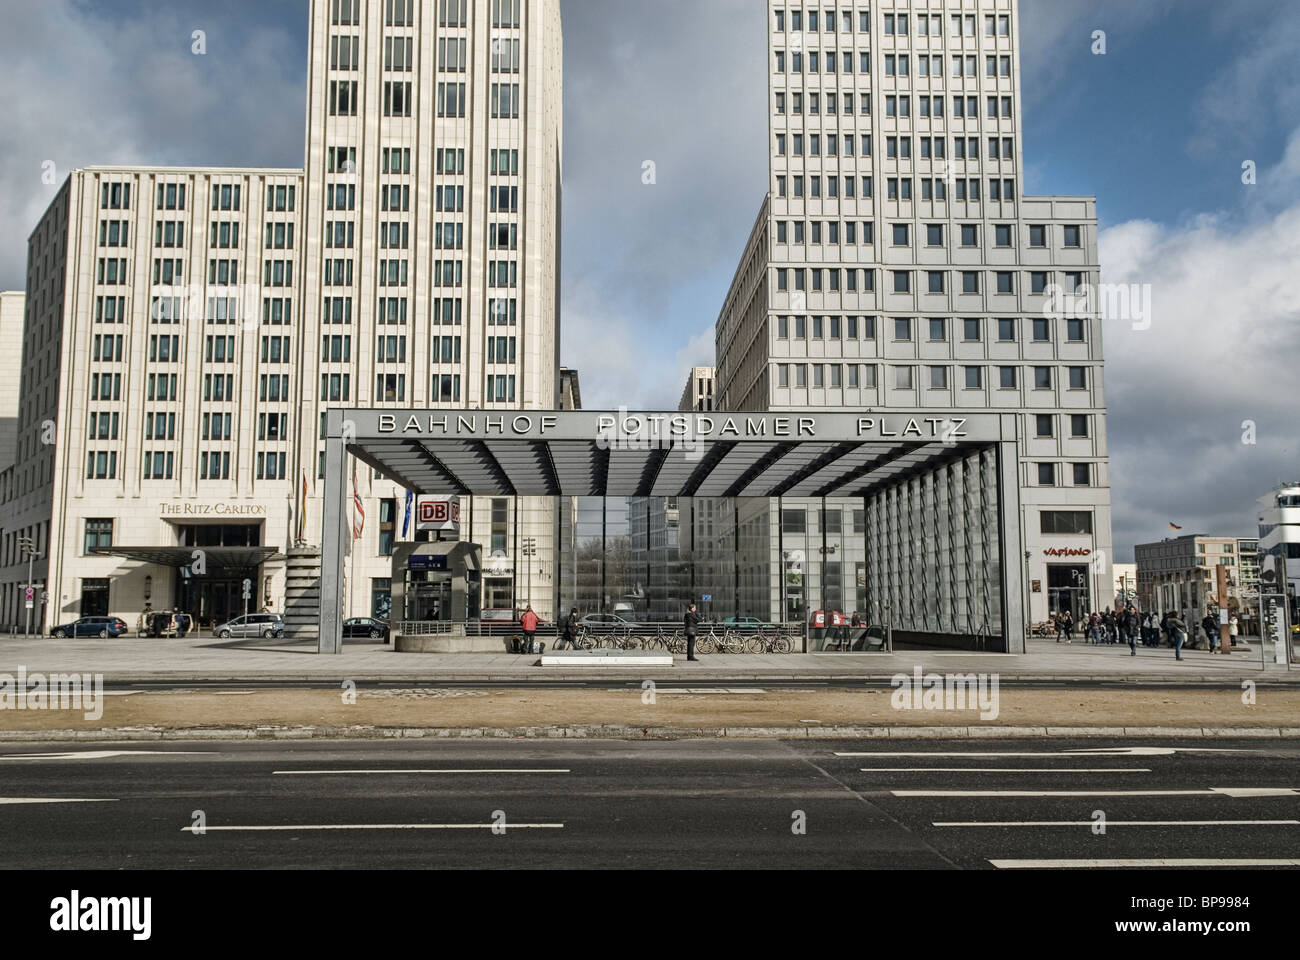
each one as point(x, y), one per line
point(1004, 770)
point(20, 800)
point(107, 754)
point(702, 691)
point(1121, 823)
point(1237, 792)
point(382, 826)
point(387, 773)
point(1115, 864)
point(1099, 752)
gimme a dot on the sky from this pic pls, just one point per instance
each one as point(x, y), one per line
point(1201, 398)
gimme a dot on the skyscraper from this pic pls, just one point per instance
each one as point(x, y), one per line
point(896, 264)
point(187, 328)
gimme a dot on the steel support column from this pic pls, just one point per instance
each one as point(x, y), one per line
point(334, 536)
point(1011, 543)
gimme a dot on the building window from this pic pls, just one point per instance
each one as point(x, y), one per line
point(1065, 522)
point(99, 535)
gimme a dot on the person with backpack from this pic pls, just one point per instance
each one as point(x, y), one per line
point(569, 631)
point(529, 624)
point(1211, 628)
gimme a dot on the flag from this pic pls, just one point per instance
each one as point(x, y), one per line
point(410, 506)
point(1174, 526)
point(358, 510)
point(302, 511)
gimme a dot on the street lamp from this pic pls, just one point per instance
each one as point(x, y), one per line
point(529, 551)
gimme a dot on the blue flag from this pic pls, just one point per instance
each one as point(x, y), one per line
point(410, 505)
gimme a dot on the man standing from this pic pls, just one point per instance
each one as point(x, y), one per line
point(1211, 627)
point(690, 622)
point(569, 631)
point(529, 623)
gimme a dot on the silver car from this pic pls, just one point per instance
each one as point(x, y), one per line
point(265, 625)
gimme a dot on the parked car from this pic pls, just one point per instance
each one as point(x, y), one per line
point(606, 619)
point(364, 628)
point(744, 623)
point(265, 625)
point(102, 627)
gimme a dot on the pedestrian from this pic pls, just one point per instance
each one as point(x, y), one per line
point(1132, 626)
point(1232, 631)
point(569, 631)
point(529, 623)
point(179, 622)
point(690, 623)
point(1211, 627)
point(1178, 634)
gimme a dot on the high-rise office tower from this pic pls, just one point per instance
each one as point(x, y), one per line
point(897, 265)
point(186, 329)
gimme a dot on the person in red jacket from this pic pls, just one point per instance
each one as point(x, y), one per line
point(529, 623)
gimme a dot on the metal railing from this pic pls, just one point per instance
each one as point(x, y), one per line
point(766, 637)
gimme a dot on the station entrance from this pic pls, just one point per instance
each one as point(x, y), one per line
point(915, 518)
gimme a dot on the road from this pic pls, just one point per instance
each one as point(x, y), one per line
point(691, 804)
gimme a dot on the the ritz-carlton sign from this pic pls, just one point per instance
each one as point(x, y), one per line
point(191, 509)
point(625, 428)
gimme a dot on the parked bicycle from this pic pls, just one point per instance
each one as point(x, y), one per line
point(728, 641)
point(769, 641)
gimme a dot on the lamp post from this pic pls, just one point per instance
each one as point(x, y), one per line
point(529, 550)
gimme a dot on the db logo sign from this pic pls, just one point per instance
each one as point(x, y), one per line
point(438, 514)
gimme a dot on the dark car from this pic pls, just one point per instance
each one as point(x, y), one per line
point(364, 628)
point(102, 627)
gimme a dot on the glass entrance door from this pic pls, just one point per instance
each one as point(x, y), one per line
point(212, 601)
point(1070, 588)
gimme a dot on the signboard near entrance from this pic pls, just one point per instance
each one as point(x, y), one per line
point(438, 514)
point(421, 562)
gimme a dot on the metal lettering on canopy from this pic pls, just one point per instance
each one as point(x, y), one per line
point(636, 454)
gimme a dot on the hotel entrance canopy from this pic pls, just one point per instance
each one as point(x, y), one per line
point(626, 454)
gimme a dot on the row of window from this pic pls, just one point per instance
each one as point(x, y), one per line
point(896, 65)
point(171, 196)
point(972, 329)
point(896, 148)
point(799, 187)
point(896, 105)
point(854, 280)
point(895, 24)
point(936, 234)
point(905, 377)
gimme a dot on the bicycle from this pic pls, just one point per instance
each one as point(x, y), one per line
point(765, 642)
point(728, 642)
point(669, 642)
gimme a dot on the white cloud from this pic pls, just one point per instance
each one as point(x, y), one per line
point(1221, 350)
point(85, 85)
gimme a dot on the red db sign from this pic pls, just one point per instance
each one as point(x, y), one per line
point(438, 513)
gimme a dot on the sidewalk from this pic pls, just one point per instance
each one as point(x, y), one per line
point(658, 713)
point(198, 659)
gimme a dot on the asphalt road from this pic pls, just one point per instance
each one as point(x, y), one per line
point(684, 804)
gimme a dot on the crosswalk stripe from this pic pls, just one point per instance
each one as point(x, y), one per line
point(386, 773)
point(1117, 864)
point(378, 826)
point(1235, 792)
point(1121, 823)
